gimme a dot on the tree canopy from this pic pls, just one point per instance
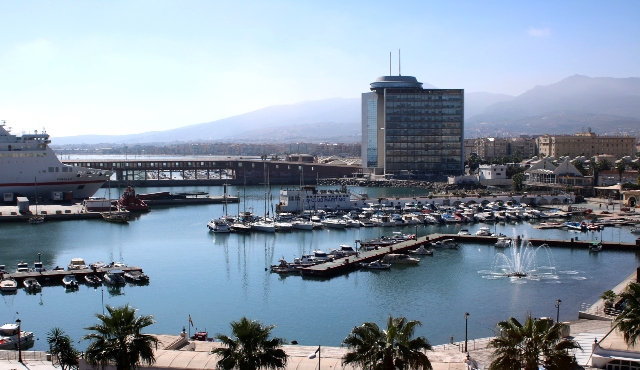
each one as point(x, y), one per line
point(118, 339)
point(251, 348)
point(537, 342)
point(628, 320)
point(393, 348)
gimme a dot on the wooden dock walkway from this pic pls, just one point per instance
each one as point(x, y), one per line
point(56, 276)
point(571, 243)
point(344, 265)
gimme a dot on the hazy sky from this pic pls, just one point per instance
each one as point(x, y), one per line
point(118, 67)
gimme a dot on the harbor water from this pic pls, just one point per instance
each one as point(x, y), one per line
point(219, 278)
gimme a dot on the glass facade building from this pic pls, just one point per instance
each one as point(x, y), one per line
point(408, 131)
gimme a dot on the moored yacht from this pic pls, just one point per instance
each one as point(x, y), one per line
point(219, 225)
point(10, 335)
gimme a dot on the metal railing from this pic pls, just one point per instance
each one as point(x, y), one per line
point(472, 345)
point(6, 355)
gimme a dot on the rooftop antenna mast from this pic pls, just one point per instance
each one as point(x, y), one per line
point(399, 70)
point(389, 66)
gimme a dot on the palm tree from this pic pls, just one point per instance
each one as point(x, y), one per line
point(118, 339)
point(62, 349)
point(629, 320)
point(391, 349)
point(621, 166)
point(537, 342)
point(608, 297)
point(251, 348)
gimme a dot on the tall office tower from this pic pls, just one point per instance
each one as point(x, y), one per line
point(411, 132)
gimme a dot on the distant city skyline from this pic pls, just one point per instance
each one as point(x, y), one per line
point(128, 67)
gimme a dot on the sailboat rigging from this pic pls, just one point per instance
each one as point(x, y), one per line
point(36, 218)
point(120, 216)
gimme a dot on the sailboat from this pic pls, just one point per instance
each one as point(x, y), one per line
point(221, 225)
point(36, 218)
point(240, 225)
point(264, 225)
point(120, 216)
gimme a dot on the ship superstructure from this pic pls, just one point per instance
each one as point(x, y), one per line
point(28, 165)
point(308, 198)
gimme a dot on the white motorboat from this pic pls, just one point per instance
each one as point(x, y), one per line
point(283, 226)
point(114, 277)
point(38, 267)
point(9, 334)
point(239, 227)
point(285, 267)
point(92, 279)
point(77, 264)
point(446, 243)
point(31, 284)
point(344, 251)
point(116, 217)
point(23, 267)
point(595, 247)
point(98, 265)
point(635, 230)
point(503, 242)
point(31, 154)
point(352, 223)
point(36, 219)
point(219, 225)
point(366, 223)
point(322, 256)
point(137, 277)
point(332, 223)
point(422, 251)
point(70, 282)
point(8, 284)
point(400, 258)
point(483, 231)
point(375, 265)
point(464, 232)
point(265, 227)
point(302, 225)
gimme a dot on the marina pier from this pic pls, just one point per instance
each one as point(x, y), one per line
point(56, 276)
point(351, 263)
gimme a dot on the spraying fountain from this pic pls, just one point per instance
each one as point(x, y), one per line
point(523, 260)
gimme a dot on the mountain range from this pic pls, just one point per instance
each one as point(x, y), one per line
point(606, 105)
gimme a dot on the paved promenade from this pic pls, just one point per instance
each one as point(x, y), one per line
point(443, 357)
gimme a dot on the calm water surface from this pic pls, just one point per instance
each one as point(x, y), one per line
point(220, 278)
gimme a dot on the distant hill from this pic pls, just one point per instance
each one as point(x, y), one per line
point(607, 105)
point(476, 102)
point(249, 127)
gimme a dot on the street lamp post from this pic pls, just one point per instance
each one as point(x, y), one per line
point(466, 326)
point(558, 301)
point(313, 355)
point(18, 321)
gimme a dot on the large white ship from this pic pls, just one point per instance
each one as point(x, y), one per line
point(308, 198)
point(28, 165)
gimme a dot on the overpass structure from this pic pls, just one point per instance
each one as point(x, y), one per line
point(196, 171)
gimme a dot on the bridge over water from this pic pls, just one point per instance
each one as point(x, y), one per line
point(196, 171)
